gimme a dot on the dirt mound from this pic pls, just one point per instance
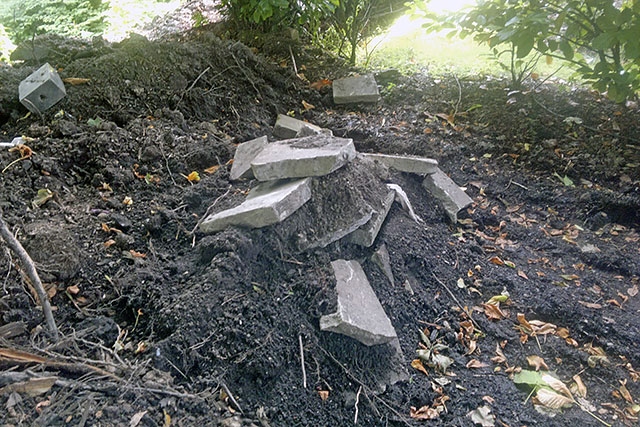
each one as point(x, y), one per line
point(162, 325)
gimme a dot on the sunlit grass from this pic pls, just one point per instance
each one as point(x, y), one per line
point(408, 48)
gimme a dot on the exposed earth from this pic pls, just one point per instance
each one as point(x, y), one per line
point(163, 325)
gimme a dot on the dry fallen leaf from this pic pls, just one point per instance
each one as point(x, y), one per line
point(417, 364)
point(424, 413)
point(324, 395)
point(73, 289)
point(552, 400)
point(307, 106)
point(135, 420)
point(482, 416)
point(137, 254)
point(74, 81)
point(476, 364)
point(537, 362)
point(212, 169)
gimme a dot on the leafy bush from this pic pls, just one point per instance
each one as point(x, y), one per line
point(599, 38)
point(29, 18)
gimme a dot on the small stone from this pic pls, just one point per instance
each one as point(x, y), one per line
point(316, 155)
point(356, 89)
point(360, 315)
point(266, 204)
point(41, 90)
point(448, 192)
point(245, 153)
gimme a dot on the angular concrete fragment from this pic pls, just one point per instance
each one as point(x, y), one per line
point(287, 127)
point(245, 153)
point(356, 89)
point(335, 235)
point(411, 164)
point(41, 90)
point(366, 235)
point(360, 315)
point(315, 155)
point(448, 192)
point(381, 259)
point(266, 204)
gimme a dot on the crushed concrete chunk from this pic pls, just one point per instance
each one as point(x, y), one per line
point(41, 90)
point(381, 259)
point(245, 153)
point(450, 195)
point(356, 89)
point(287, 127)
point(267, 204)
point(410, 164)
point(360, 315)
point(402, 198)
point(315, 155)
point(366, 235)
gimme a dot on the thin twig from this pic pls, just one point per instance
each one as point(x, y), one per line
point(32, 273)
point(293, 61)
point(455, 299)
point(233, 400)
point(304, 372)
point(355, 417)
point(455, 112)
point(194, 83)
point(209, 209)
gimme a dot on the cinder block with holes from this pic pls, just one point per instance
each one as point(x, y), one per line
point(42, 89)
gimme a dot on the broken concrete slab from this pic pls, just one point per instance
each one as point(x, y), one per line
point(360, 314)
point(448, 192)
point(366, 235)
point(356, 89)
point(382, 259)
point(245, 153)
point(41, 90)
point(315, 155)
point(287, 127)
point(267, 204)
point(410, 164)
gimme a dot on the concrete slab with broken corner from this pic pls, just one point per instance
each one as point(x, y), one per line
point(357, 89)
point(287, 127)
point(360, 314)
point(448, 193)
point(366, 234)
point(267, 204)
point(245, 153)
point(410, 164)
point(315, 155)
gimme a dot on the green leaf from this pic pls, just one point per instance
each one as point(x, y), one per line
point(566, 49)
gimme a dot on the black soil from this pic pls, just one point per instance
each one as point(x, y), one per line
point(163, 325)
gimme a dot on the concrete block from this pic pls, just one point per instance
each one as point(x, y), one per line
point(267, 204)
point(41, 90)
point(448, 193)
point(411, 164)
point(245, 153)
point(287, 127)
point(336, 234)
point(382, 259)
point(356, 89)
point(316, 155)
point(366, 235)
point(360, 314)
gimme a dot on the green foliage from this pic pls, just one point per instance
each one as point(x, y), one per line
point(28, 18)
point(600, 40)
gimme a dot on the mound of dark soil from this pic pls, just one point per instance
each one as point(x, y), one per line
point(162, 325)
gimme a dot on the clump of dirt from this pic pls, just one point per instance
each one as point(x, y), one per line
point(163, 325)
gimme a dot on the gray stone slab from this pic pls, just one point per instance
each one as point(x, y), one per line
point(315, 155)
point(335, 235)
point(267, 204)
point(411, 164)
point(356, 89)
point(245, 153)
point(41, 90)
point(366, 235)
point(287, 127)
point(360, 314)
point(448, 193)
point(381, 259)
